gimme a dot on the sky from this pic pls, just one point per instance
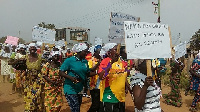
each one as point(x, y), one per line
point(182, 16)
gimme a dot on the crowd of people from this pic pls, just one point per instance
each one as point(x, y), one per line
point(44, 75)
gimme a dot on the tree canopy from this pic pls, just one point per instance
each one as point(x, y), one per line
point(195, 41)
point(49, 26)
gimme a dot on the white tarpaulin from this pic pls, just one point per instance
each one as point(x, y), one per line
point(116, 32)
point(98, 41)
point(147, 40)
point(60, 43)
point(43, 34)
point(180, 50)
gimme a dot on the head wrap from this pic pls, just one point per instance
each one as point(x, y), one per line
point(93, 49)
point(46, 46)
point(106, 48)
point(32, 44)
point(79, 47)
point(53, 53)
point(21, 46)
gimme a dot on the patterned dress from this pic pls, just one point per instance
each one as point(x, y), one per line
point(33, 86)
point(20, 79)
point(53, 93)
point(174, 97)
point(195, 82)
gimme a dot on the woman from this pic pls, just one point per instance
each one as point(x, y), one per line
point(146, 93)
point(195, 82)
point(5, 57)
point(77, 71)
point(33, 81)
point(113, 77)
point(94, 80)
point(53, 84)
point(174, 97)
point(20, 66)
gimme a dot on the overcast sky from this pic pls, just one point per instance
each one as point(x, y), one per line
point(183, 16)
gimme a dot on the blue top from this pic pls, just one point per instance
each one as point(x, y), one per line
point(75, 68)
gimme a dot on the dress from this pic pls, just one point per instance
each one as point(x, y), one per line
point(5, 68)
point(195, 82)
point(174, 97)
point(32, 86)
point(53, 93)
point(19, 73)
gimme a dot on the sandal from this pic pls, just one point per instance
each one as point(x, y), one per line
point(193, 109)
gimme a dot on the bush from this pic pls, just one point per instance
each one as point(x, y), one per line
point(184, 78)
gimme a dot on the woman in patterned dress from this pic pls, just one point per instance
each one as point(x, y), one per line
point(174, 97)
point(33, 81)
point(20, 66)
point(195, 82)
point(5, 57)
point(53, 84)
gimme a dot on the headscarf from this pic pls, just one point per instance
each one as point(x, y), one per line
point(79, 47)
point(106, 48)
point(32, 44)
point(93, 49)
point(21, 46)
point(53, 53)
point(47, 46)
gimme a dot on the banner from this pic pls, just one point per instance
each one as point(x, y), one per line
point(147, 40)
point(60, 43)
point(116, 32)
point(12, 40)
point(98, 41)
point(43, 34)
point(180, 50)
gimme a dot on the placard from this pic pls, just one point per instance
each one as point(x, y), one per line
point(147, 40)
point(12, 40)
point(43, 34)
point(180, 50)
point(116, 32)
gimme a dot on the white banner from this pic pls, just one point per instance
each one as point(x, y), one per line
point(98, 41)
point(146, 40)
point(43, 34)
point(116, 32)
point(60, 43)
point(180, 50)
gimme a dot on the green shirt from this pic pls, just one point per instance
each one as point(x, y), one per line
point(75, 68)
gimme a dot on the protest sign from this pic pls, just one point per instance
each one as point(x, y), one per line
point(116, 32)
point(98, 41)
point(147, 40)
point(43, 34)
point(60, 43)
point(12, 40)
point(180, 50)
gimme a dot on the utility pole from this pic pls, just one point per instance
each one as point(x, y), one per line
point(157, 10)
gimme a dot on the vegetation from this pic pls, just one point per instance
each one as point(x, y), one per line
point(49, 26)
point(184, 79)
point(195, 41)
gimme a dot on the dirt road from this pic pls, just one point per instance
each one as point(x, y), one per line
point(14, 102)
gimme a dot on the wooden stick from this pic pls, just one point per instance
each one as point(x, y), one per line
point(148, 64)
point(118, 48)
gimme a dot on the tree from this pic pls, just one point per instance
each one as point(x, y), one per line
point(49, 26)
point(195, 41)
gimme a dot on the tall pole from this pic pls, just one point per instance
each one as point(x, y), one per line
point(158, 11)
